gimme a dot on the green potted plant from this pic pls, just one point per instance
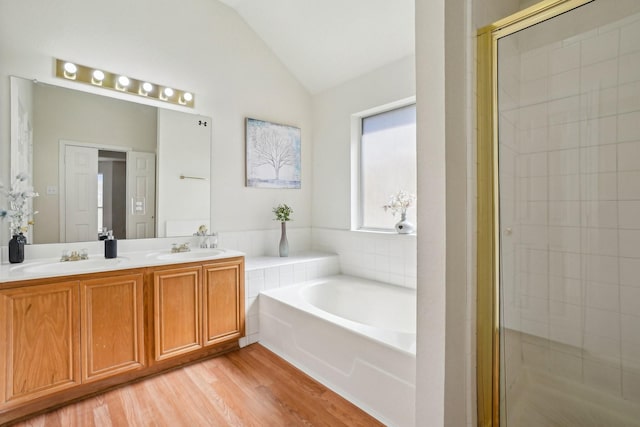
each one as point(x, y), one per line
point(283, 214)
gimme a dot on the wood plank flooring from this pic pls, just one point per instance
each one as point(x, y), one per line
point(248, 387)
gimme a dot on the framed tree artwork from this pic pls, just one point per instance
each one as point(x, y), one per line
point(273, 155)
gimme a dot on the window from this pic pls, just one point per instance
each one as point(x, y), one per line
point(387, 164)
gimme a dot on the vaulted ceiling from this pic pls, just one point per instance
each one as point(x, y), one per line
point(327, 42)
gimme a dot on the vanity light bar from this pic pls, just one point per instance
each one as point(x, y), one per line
point(121, 83)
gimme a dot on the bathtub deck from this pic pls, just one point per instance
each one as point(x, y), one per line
point(249, 387)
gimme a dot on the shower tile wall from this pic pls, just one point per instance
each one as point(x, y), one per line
point(570, 205)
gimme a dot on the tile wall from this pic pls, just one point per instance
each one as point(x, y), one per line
point(385, 257)
point(570, 214)
point(266, 273)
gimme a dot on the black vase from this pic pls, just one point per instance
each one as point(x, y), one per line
point(16, 248)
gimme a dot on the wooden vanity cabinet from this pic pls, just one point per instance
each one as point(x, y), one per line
point(112, 322)
point(223, 302)
point(41, 336)
point(197, 306)
point(59, 335)
point(62, 339)
point(177, 301)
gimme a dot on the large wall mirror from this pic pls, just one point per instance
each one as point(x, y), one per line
point(101, 163)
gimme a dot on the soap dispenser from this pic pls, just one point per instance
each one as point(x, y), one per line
point(110, 246)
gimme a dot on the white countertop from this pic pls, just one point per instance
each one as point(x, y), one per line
point(53, 267)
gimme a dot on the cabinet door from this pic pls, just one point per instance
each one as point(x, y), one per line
point(112, 326)
point(41, 351)
point(223, 314)
point(177, 304)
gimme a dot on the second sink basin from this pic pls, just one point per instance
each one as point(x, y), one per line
point(193, 254)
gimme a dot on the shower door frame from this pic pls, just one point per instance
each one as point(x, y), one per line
point(488, 221)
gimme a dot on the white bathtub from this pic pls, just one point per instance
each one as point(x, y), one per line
point(354, 335)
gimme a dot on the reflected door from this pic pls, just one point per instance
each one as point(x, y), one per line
point(81, 191)
point(141, 192)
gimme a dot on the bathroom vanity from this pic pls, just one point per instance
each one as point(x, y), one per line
point(68, 335)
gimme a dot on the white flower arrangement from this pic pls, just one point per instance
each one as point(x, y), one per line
point(282, 213)
point(18, 212)
point(400, 202)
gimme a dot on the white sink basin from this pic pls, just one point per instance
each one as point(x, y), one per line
point(76, 266)
point(193, 254)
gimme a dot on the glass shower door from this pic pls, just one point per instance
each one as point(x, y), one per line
point(569, 211)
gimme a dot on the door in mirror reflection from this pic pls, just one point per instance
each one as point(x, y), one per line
point(81, 189)
point(140, 195)
point(107, 190)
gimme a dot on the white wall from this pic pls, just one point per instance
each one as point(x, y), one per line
point(196, 45)
point(332, 111)
point(431, 296)
point(445, 53)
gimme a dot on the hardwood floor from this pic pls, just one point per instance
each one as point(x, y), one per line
point(248, 387)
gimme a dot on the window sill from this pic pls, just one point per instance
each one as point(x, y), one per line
point(382, 232)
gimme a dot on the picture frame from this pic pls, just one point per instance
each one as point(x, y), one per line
point(273, 155)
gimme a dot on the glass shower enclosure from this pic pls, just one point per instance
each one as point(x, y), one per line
point(567, 217)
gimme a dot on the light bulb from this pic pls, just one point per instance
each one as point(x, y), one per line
point(187, 96)
point(98, 76)
point(123, 81)
point(147, 87)
point(168, 92)
point(70, 68)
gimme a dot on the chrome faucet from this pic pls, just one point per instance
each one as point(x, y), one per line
point(74, 255)
point(182, 248)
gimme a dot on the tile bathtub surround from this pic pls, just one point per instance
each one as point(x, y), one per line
point(265, 273)
point(257, 243)
point(570, 194)
point(385, 257)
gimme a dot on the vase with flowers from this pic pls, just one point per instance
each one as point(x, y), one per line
point(400, 202)
point(19, 214)
point(283, 214)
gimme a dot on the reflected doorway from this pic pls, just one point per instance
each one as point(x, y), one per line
point(106, 189)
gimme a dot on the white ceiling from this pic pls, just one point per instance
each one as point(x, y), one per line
point(327, 42)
